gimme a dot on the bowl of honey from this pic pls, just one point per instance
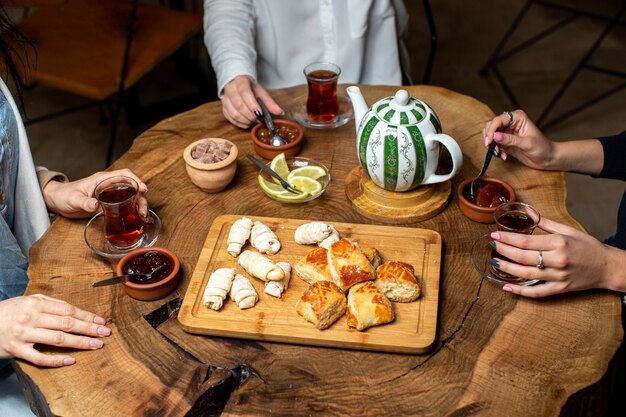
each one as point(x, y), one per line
point(145, 261)
point(289, 130)
point(489, 193)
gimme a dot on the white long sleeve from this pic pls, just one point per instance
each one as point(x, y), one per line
point(273, 40)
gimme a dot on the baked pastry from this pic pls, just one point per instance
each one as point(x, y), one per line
point(263, 239)
point(374, 257)
point(368, 306)
point(332, 238)
point(322, 304)
point(314, 266)
point(397, 281)
point(276, 288)
point(348, 265)
point(218, 287)
point(243, 293)
point(260, 267)
point(314, 232)
point(239, 233)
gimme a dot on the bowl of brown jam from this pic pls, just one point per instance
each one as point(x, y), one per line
point(488, 195)
point(290, 131)
point(145, 261)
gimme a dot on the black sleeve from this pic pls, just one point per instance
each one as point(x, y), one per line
point(614, 156)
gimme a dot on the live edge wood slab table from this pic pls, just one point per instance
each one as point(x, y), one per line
point(494, 355)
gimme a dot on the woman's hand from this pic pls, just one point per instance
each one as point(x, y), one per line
point(572, 261)
point(239, 101)
point(25, 321)
point(76, 199)
point(521, 139)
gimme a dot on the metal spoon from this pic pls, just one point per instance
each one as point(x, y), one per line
point(491, 151)
point(276, 140)
point(273, 173)
point(135, 278)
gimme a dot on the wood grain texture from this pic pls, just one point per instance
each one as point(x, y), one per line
point(390, 207)
point(273, 319)
point(494, 355)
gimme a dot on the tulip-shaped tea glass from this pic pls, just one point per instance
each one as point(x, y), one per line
point(122, 225)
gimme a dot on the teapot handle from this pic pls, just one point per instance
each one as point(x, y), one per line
point(455, 154)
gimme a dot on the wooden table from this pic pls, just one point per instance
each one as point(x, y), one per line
point(495, 354)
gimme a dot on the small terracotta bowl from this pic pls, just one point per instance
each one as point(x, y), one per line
point(477, 213)
point(268, 151)
point(156, 290)
point(211, 178)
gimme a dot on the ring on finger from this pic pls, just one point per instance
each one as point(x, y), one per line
point(508, 113)
point(540, 260)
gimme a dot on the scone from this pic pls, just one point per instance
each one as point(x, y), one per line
point(313, 267)
point(368, 306)
point(374, 257)
point(397, 281)
point(348, 265)
point(322, 304)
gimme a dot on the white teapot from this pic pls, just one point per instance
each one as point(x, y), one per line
point(398, 141)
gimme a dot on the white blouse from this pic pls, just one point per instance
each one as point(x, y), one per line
point(273, 40)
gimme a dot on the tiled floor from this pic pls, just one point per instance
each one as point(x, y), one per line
point(467, 33)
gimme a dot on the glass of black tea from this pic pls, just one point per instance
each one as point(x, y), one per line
point(321, 104)
point(123, 227)
point(517, 218)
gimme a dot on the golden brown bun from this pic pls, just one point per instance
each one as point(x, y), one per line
point(348, 265)
point(368, 306)
point(322, 304)
point(314, 266)
point(397, 281)
point(374, 257)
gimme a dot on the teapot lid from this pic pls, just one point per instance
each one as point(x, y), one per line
point(400, 109)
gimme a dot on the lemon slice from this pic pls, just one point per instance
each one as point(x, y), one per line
point(287, 196)
point(279, 165)
point(270, 187)
point(306, 184)
point(311, 171)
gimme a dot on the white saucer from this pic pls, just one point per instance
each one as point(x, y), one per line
point(97, 242)
point(299, 114)
point(480, 255)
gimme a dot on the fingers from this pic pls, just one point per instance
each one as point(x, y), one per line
point(30, 354)
point(142, 209)
point(49, 305)
point(239, 102)
point(551, 226)
point(271, 105)
point(544, 289)
point(71, 325)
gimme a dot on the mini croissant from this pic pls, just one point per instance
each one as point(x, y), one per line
point(239, 233)
point(313, 232)
point(276, 288)
point(260, 267)
point(218, 287)
point(243, 293)
point(332, 238)
point(263, 239)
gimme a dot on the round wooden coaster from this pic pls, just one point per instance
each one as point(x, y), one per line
point(413, 206)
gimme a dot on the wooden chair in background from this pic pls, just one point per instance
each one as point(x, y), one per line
point(99, 49)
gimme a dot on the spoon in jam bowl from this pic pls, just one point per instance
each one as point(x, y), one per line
point(475, 184)
point(276, 139)
point(136, 278)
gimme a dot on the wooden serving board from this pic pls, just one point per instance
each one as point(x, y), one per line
point(275, 319)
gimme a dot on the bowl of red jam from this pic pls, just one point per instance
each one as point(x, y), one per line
point(146, 260)
point(489, 193)
point(290, 131)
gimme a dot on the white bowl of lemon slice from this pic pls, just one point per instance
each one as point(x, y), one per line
point(309, 177)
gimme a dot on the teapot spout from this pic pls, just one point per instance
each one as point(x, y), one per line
point(359, 105)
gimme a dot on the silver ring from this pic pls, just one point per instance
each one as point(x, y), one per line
point(540, 260)
point(508, 113)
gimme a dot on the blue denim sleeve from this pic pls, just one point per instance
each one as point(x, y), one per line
point(13, 264)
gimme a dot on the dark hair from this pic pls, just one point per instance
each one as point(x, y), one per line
point(13, 45)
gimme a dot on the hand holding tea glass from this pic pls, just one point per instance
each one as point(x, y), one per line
point(76, 199)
